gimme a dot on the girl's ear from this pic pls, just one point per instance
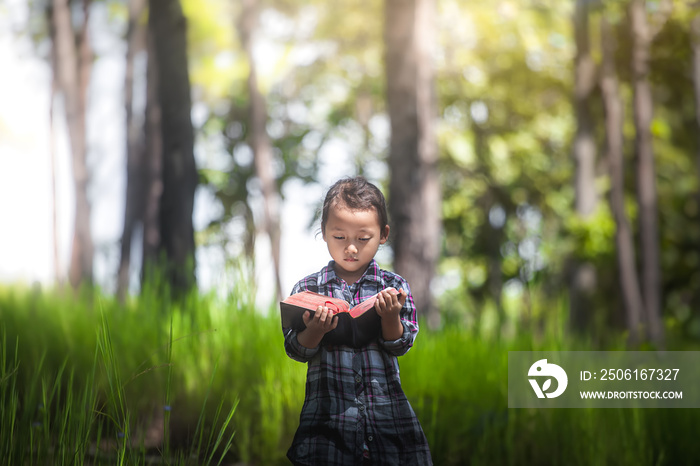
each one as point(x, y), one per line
point(384, 236)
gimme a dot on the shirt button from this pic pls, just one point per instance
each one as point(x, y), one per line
point(362, 408)
point(370, 438)
point(358, 379)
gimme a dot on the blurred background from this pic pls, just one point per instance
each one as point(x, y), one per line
point(163, 162)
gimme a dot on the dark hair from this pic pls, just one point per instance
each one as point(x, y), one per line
point(357, 194)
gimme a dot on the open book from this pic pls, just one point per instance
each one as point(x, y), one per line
point(357, 325)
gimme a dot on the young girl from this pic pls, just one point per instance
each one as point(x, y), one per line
point(355, 412)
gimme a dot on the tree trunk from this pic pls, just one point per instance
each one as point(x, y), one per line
point(584, 142)
point(179, 171)
point(260, 142)
point(646, 175)
point(414, 190)
point(73, 66)
point(695, 37)
point(135, 149)
point(624, 241)
point(58, 274)
point(363, 114)
point(55, 89)
point(152, 166)
point(583, 278)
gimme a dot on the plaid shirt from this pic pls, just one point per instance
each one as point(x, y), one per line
point(355, 411)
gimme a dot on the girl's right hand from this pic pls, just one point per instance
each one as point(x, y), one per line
point(322, 321)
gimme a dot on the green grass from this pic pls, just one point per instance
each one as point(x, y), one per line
point(89, 381)
point(122, 384)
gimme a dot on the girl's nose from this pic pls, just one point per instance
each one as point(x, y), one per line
point(352, 249)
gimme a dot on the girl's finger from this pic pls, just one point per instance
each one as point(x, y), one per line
point(394, 299)
point(380, 300)
point(402, 297)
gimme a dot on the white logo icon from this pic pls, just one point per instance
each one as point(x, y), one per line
point(542, 369)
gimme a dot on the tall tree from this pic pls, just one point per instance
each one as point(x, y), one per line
point(135, 148)
point(57, 271)
point(72, 65)
point(624, 240)
point(642, 36)
point(152, 166)
point(414, 189)
point(167, 26)
point(695, 44)
point(583, 276)
point(260, 141)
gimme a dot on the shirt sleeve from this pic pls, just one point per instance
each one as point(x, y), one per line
point(292, 347)
point(408, 320)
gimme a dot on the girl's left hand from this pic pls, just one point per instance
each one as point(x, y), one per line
point(389, 303)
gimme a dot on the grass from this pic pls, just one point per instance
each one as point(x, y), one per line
point(88, 381)
point(122, 384)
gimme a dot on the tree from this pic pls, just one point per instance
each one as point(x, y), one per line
point(624, 240)
point(695, 44)
point(167, 25)
point(72, 65)
point(57, 271)
point(642, 36)
point(135, 147)
point(161, 170)
point(583, 277)
point(260, 141)
point(241, 112)
point(414, 189)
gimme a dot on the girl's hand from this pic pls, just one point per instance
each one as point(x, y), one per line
point(389, 303)
point(321, 322)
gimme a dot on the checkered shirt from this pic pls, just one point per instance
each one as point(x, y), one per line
point(355, 411)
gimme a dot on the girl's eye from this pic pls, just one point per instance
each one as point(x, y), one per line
point(339, 237)
point(364, 239)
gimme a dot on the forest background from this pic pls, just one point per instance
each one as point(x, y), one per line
point(541, 163)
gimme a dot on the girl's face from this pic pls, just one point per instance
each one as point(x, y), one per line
point(353, 237)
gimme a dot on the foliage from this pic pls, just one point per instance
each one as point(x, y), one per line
point(322, 85)
point(507, 179)
point(504, 85)
point(506, 132)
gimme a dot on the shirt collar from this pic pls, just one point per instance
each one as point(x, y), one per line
point(372, 274)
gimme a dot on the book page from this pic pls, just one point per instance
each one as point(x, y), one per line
point(364, 306)
point(367, 304)
point(310, 300)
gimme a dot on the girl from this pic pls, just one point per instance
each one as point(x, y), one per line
point(355, 412)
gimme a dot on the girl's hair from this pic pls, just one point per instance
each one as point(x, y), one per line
point(356, 194)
